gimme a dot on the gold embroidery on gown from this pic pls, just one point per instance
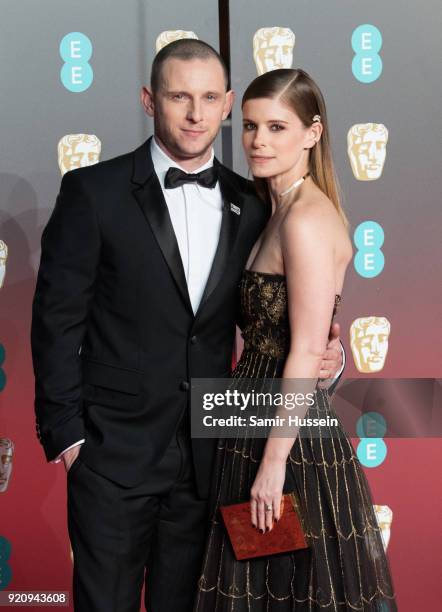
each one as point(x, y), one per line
point(345, 567)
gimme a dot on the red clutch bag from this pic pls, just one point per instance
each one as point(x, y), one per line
point(247, 542)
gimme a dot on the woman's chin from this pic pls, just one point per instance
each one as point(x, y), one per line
point(261, 172)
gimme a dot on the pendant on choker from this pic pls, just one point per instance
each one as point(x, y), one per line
point(295, 184)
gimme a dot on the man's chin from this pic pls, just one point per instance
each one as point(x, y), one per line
point(193, 149)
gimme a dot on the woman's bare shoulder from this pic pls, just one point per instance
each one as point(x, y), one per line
point(315, 216)
point(310, 214)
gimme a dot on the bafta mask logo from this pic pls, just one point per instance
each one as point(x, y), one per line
point(369, 343)
point(3, 258)
point(169, 36)
point(6, 453)
point(77, 151)
point(367, 149)
point(384, 516)
point(273, 48)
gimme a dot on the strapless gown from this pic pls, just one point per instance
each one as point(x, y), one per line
point(345, 566)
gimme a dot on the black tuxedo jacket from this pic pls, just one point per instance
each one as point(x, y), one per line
point(114, 339)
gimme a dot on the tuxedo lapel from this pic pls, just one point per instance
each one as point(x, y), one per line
point(231, 217)
point(150, 198)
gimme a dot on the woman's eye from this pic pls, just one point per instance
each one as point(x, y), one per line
point(277, 126)
point(248, 126)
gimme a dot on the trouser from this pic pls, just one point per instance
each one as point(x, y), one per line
point(117, 533)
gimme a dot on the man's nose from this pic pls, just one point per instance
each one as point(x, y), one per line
point(195, 111)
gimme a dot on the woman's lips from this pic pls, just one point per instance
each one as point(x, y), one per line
point(261, 160)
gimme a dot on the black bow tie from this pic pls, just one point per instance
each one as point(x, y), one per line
point(176, 177)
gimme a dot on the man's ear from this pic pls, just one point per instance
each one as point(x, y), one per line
point(230, 99)
point(147, 100)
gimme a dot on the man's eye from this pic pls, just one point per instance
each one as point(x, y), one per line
point(178, 96)
point(211, 97)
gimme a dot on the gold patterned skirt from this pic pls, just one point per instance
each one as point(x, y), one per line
point(344, 568)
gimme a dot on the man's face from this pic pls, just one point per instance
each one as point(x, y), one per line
point(189, 106)
point(369, 155)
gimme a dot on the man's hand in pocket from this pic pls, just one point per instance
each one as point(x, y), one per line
point(70, 455)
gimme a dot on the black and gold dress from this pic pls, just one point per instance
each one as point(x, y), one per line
point(345, 566)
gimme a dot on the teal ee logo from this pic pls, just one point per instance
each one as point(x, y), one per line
point(2, 372)
point(371, 452)
point(368, 238)
point(371, 425)
point(5, 568)
point(76, 51)
point(366, 42)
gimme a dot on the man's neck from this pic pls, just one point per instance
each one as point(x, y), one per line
point(188, 164)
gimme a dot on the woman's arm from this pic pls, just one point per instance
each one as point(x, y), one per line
point(307, 243)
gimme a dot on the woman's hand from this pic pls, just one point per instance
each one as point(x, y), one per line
point(266, 492)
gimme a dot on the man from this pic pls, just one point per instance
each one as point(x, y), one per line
point(136, 294)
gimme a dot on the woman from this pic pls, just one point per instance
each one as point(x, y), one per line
point(289, 295)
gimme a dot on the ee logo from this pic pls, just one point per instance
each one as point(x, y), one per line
point(371, 425)
point(366, 42)
point(369, 260)
point(76, 51)
point(372, 450)
point(5, 568)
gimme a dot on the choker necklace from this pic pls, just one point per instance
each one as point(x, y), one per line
point(295, 184)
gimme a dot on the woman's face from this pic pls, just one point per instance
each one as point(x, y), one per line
point(274, 138)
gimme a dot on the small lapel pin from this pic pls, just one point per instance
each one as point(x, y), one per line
point(234, 208)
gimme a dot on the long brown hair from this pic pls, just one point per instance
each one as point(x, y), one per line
point(300, 93)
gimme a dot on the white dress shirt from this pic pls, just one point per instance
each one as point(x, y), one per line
point(196, 214)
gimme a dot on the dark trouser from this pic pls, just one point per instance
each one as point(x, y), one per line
point(117, 532)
